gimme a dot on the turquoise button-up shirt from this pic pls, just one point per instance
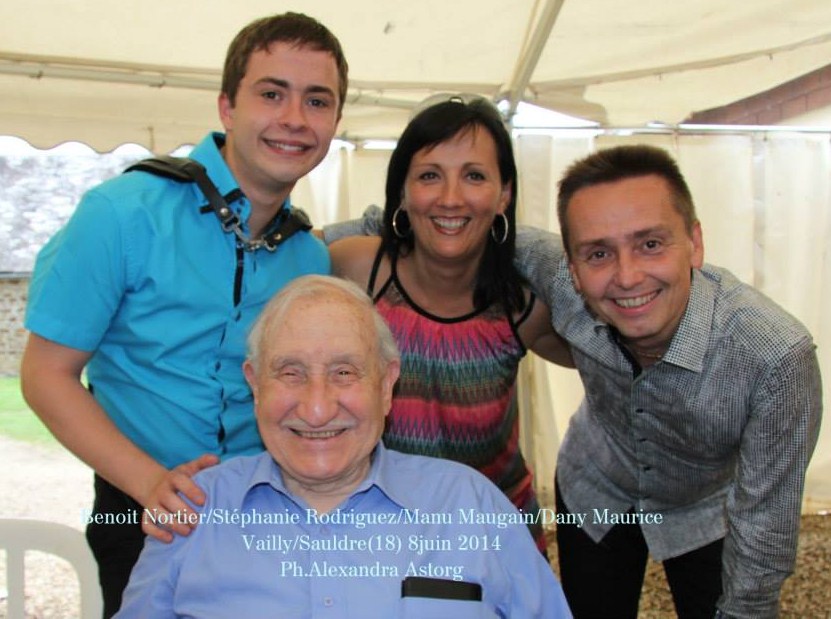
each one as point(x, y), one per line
point(143, 277)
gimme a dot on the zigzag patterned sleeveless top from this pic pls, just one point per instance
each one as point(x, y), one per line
point(456, 396)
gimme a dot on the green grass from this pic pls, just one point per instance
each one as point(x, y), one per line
point(16, 420)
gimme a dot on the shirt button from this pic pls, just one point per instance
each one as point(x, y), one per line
point(638, 410)
point(647, 468)
point(217, 365)
point(327, 601)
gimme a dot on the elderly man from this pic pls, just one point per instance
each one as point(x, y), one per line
point(328, 520)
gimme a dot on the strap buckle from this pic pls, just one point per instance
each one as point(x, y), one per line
point(182, 169)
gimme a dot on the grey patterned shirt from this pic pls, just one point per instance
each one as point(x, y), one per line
point(714, 438)
point(710, 442)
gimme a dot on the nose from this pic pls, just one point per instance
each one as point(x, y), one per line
point(629, 273)
point(318, 403)
point(451, 193)
point(293, 114)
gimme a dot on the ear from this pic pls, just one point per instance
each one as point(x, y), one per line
point(388, 383)
point(697, 239)
point(575, 279)
point(505, 196)
point(250, 377)
point(226, 111)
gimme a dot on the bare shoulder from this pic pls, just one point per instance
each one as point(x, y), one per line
point(352, 257)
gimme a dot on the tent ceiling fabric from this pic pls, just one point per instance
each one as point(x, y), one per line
point(65, 65)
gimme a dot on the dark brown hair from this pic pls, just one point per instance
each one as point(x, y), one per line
point(619, 163)
point(497, 279)
point(295, 28)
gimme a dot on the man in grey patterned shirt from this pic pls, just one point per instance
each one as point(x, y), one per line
point(703, 398)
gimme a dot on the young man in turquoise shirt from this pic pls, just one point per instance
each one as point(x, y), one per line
point(152, 295)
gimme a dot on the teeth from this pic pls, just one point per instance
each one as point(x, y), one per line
point(450, 223)
point(293, 148)
point(636, 301)
point(326, 434)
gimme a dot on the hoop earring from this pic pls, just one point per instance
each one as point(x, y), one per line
point(506, 227)
point(395, 229)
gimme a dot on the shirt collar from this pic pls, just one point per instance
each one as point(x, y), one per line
point(689, 344)
point(267, 471)
point(208, 153)
point(382, 476)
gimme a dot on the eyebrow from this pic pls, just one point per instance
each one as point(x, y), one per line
point(280, 83)
point(284, 360)
point(438, 164)
point(634, 236)
point(275, 363)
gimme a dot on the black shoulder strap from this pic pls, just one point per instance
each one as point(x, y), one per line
point(175, 168)
point(186, 170)
point(373, 273)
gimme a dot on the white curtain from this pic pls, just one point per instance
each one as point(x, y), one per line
point(764, 200)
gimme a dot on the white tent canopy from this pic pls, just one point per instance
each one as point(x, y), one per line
point(148, 72)
point(111, 72)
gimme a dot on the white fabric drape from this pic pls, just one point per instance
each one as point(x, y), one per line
point(764, 201)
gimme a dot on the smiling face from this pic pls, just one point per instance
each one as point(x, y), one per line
point(282, 121)
point(321, 396)
point(631, 258)
point(452, 193)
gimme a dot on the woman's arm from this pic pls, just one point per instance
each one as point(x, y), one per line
point(539, 336)
point(352, 258)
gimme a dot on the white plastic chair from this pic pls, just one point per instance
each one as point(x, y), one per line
point(19, 536)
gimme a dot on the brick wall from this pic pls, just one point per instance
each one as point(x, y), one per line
point(13, 294)
point(795, 98)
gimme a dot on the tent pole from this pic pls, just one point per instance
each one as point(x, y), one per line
point(530, 56)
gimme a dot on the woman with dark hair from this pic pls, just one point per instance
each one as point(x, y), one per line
point(442, 275)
